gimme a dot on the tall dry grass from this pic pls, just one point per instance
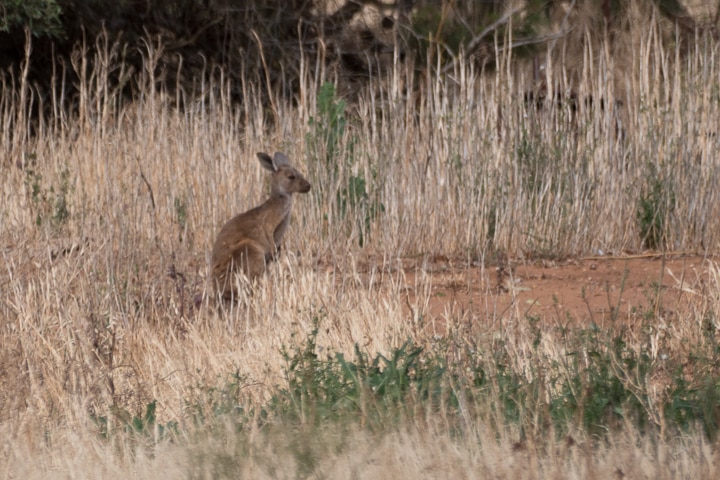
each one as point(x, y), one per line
point(109, 209)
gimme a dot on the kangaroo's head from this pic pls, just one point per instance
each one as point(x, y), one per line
point(286, 179)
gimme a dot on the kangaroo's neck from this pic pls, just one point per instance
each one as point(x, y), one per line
point(280, 205)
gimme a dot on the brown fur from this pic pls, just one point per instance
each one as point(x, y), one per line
point(252, 239)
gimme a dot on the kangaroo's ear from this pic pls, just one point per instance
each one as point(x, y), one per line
point(266, 162)
point(280, 159)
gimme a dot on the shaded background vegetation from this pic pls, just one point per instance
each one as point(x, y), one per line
point(355, 38)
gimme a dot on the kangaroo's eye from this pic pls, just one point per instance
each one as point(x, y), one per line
point(291, 177)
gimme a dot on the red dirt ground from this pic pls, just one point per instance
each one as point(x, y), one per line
point(580, 291)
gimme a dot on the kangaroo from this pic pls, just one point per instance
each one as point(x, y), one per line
point(250, 240)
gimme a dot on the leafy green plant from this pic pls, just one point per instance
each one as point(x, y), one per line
point(49, 202)
point(595, 384)
point(41, 17)
point(353, 197)
point(373, 390)
point(654, 207)
point(328, 128)
point(694, 402)
point(600, 386)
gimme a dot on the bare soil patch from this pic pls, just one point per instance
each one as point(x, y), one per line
point(579, 291)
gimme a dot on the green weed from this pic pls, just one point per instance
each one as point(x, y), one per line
point(354, 198)
point(376, 390)
point(600, 386)
point(654, 208)
point(49, 203)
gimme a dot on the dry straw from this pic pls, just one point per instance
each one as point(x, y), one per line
point(108, 214)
